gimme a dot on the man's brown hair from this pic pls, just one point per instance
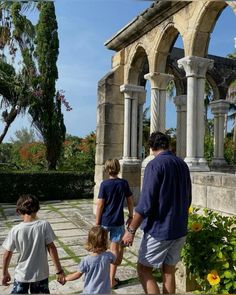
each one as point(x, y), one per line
point(112, 167)
point(27, 204)
point(97, 240)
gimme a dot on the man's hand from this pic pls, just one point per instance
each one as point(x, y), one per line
point(6, 279)
point(128, 239)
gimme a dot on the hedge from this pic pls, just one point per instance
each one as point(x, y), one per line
point(45, 185)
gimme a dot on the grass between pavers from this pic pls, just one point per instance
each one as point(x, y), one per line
point(54, 209)
point(70, 252)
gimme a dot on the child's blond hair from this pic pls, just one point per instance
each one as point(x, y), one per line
point(97, 239)
point(112, 167)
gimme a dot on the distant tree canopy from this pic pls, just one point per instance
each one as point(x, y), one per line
point(32, 88)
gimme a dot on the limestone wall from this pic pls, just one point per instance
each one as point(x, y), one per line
point(216, 191)
point(110, 123)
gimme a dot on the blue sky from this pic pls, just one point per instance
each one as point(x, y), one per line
point(84, 26)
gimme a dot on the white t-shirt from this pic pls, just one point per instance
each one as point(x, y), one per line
point(30, 239)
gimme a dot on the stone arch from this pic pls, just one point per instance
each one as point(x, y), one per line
point(138, 66)
point(213, 84)
point(205, 24)
point(179, 81)
point(163, 47)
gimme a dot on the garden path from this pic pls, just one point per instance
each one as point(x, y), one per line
point(71, 221)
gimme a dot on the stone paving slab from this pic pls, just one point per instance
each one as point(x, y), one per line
point(79, 251)
point(72, 241)
point(66, 263)
point(71, 221)
point(70, 233)
point(63, 226)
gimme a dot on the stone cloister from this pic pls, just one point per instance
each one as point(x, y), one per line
point(144, 51)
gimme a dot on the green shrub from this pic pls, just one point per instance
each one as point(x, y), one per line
point(210, 252)
point(46, 185)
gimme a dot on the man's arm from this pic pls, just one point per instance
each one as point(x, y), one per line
point(100, 206)
point(6, 261)
point(52, 250)
point(130, 232)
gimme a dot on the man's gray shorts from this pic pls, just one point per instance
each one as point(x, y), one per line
point(153, 253)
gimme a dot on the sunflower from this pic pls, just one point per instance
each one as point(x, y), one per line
point(196, 226)
point(213, 278)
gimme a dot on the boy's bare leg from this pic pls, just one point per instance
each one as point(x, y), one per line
point(118, 251)
point(168, 274)
point(147, 280)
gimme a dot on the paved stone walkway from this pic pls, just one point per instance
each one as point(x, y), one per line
point(71, 221)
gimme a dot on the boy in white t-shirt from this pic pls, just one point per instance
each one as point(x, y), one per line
point(32, 239)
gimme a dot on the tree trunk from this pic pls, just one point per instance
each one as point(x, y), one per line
point(11, 117)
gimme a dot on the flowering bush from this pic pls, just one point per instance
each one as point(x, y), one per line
point(210, 251)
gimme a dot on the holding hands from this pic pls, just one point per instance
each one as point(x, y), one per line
point(61, 278)
point(128, 237)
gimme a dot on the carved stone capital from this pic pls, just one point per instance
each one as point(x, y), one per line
point(180, 100)
point(159, 80)
point(219, 107)
point(132, 91)
point(195, 66)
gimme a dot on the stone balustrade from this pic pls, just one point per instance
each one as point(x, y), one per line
point(216, 191)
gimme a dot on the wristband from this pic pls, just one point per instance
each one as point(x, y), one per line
point(131, 230)
point(60, 272)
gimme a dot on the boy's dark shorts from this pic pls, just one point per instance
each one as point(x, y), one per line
point(34, 287)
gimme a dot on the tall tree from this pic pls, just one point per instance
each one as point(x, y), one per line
point(45, 109)
point(14, 87)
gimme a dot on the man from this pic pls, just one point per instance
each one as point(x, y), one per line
point(163, 211)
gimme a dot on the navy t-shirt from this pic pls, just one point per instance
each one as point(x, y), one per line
point(114, 191)
point(165, 198)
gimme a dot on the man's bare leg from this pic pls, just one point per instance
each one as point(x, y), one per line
point(168, 276)
point(147, 280)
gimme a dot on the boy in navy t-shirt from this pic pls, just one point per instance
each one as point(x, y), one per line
point(110, 210)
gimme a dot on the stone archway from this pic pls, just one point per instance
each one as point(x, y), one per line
point(143, 49)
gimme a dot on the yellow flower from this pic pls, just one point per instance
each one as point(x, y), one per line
point(196, 226)
point(190, 210)
point(213, 278)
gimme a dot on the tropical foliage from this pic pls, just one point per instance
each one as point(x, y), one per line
point(26, 152)
point(210, 252)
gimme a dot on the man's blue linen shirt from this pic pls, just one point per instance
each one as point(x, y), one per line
point(165, 198)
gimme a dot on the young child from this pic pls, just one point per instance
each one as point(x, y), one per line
point(32, 238)
point(95, 266)
point(110, 210)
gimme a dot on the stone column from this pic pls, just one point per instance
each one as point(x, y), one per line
point(141, 101)
point(219, 109)
point(195, 69)
point(159, 82)
point(134, 127)
point(181, 108)
point(127, 124)
point(131, 163)
point(131, 95)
